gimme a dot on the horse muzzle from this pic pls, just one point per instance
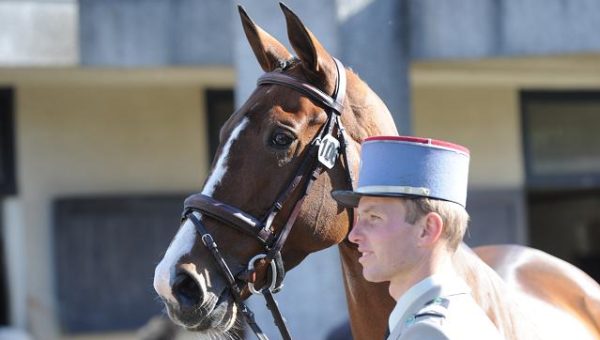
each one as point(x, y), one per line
point(191, 305)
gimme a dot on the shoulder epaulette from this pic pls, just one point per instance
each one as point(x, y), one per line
point(435, 308)
point(439, 301)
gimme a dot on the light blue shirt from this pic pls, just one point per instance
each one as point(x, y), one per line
point(460, 319)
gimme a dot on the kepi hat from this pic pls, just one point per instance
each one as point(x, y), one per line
point(401, 166)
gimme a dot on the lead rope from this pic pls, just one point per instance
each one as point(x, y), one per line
point(277, 316)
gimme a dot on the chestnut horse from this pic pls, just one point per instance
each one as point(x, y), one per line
point(526, 293)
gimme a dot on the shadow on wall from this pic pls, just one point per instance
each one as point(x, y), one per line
point(8, 333)
point(158, 328)
point(340, 332)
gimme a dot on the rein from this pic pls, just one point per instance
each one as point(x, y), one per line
point(323, 151)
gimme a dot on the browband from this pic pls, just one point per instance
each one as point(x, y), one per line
point(337, 104)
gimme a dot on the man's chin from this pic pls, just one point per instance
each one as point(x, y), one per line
point(373, 277)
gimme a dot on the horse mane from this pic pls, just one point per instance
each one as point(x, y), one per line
point(507, 277)
point(492, 294)
point(371, 115)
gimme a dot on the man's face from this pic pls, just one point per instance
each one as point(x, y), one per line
point(387, 243)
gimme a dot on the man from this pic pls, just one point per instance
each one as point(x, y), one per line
point(410, 201)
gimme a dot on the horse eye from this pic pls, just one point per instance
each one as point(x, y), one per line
point(282, 140)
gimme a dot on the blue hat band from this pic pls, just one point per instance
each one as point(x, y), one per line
point(398, 167)
point(410, 166)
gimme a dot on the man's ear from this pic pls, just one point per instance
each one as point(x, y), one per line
point(431, 229)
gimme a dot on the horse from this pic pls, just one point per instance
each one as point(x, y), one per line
point(211, 266)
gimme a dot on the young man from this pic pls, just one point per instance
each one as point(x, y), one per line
point(410, 201)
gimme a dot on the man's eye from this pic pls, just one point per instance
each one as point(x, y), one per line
point(282, 140)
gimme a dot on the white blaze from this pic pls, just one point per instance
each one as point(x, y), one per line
point(181, 245)
point(221, 167)
point(186, 236)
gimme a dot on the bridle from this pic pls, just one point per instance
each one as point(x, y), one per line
point(322, 152)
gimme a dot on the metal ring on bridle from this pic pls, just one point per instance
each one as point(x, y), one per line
point(273, 276)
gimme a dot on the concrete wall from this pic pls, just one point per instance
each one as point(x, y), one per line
point(38, 32)
point(487, 28)
point(95, 132)
point(154, 33)
point(377, 38)
point(374, 42)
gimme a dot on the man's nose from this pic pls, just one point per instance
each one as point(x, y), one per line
point(355, 234)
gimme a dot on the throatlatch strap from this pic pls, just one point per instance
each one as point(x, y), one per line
point(277, 316)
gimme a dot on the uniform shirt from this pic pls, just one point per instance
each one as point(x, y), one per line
point(440, 307)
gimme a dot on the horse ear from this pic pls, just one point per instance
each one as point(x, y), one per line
point(268, 51)
point(314, 56)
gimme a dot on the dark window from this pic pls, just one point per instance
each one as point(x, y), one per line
point(7, 185)
point(219, 106)
point(566, 224)
point(106, 250)
point(561, 138)
point(7, 154)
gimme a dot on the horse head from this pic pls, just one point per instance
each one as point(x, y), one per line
point(262, 167)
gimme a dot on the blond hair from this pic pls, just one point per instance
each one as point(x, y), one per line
point(454, 217)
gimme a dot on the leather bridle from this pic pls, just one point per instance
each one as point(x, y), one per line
point(322, 152)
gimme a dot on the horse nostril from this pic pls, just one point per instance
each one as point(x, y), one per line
point(186, 291)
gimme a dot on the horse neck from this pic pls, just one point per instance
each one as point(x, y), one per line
point(370, 116)
point(369, 304)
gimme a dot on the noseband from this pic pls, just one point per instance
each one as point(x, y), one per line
point(322, 152)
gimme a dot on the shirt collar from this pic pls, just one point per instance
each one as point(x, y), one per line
point(450, 283)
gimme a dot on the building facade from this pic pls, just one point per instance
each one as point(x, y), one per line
point(109, 112)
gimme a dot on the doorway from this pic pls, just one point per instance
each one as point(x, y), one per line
point(562, 163)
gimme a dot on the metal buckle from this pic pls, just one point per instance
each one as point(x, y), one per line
point(273, 276)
